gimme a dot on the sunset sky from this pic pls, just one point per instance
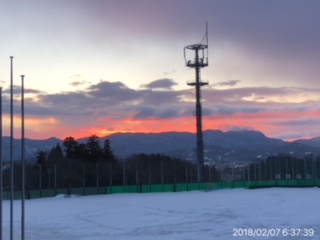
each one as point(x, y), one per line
point(103, 66)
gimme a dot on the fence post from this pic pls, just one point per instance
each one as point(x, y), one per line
point(55, 178)
point(271, 178)
point(232, 171)
point(40, 181)
point(174, 176)
point(97, 177)
point(83, 180)
point(265, 170)
point(292, 169)
point(316, 170)
point(210, 177)
point(162, 178)
point(137, 178)
point(110, 176)
point(149, 169)
point(244, 173)
point(49, 178)
point(248, 174)
point(187, 182)
point(221, 177)
point(124, 175)
point(260, 172)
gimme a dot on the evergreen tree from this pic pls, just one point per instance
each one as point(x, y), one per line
point(94, 149)
point(70, 145)
point(107, 152)
point(41, 158)
point(82, 152)
point(56, 154)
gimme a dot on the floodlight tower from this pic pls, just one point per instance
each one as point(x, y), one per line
point(200, 61)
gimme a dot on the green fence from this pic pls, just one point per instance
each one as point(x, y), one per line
point(40, 193)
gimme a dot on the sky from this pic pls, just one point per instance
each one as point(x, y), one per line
point(102, 66)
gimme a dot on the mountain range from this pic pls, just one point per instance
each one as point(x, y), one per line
point(231, 146)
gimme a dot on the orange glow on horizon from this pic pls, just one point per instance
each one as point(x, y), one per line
point(270, 123)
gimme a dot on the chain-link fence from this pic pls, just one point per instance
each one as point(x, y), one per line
point(145, 175)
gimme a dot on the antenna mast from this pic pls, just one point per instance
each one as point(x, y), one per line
point(200, 61)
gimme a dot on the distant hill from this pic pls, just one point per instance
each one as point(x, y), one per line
point(232, 146)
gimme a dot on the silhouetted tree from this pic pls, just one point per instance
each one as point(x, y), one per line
point(41, 157)
point(107, 152)
point(94, 149)
point(56, 154)
point(82, 153)
point(70, 145)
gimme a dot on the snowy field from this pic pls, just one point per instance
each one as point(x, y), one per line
point(171, 216)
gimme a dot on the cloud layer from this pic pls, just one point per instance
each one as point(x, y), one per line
point(108, 107)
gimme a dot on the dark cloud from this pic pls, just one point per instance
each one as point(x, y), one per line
point(299, 122)
point(17, 90)
point(79, 83)
point(161, 84)
point(229, 83)
point(145, 112)
point(254, 93)
point(113, 91)
point(170, 112)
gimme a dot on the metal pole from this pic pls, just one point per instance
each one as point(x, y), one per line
point(232, 171)
point(124, 173)
point(187, 173)
point(292, 169)
point(174, 176)
point(97, 177)
point(221, 178)
point(1, 163)
point(287, 169)
point(244, 173)
point(187, 182)
point(162, 179)
point(270, 168)
point(259, 171)
point(316, 171)
point(23, 194)
point(55, 179)
point(149, 170)
point(137, 177)
point(40, 180)
point(11, 148)
point(110, 176)
point(83, 180)
point(200, 154)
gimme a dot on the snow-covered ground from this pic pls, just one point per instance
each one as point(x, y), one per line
point(171, 216)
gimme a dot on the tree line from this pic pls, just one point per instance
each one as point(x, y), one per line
point(75, 165)
point(92, 164)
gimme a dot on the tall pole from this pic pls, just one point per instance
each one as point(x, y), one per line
point(23, 194)
point(199, 61)
point(1, 163)
point(11, 148)
point(199, 122)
